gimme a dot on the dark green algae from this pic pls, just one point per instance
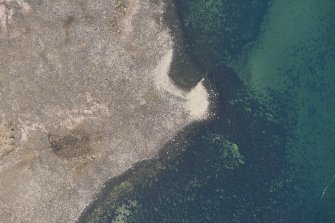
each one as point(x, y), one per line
point(202, 177)
point(211, 35)
point(234, 167)
point(218, 31)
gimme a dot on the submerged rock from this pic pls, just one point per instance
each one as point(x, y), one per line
point(218, 31)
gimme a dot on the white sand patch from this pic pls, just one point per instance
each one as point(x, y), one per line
point(7, 14)
point(2, 16)
point(25, 7)
point(131, 11)
point(196, 101)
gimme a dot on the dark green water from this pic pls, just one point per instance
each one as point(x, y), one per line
point(269, 153)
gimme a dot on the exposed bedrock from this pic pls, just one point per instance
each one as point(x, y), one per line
point(85, 94)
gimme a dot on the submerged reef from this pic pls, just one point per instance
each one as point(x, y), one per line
point(231, 168)
point(267, 155)
point(217, 31)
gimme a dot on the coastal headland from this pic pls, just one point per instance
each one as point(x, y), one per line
point(85, 94)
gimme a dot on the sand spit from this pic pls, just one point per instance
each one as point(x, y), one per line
point(84, 95)
point(196, 101)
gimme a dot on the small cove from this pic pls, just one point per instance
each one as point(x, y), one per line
point(275, 174)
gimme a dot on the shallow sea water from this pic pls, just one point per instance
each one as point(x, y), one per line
point(268, 155)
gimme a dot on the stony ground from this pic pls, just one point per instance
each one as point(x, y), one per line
point(84, 94)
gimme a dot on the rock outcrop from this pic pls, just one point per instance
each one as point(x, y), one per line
point(84, 95)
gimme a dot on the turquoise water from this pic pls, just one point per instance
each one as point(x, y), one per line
point(269, 154)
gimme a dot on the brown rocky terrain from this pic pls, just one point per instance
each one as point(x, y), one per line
point(84, 95)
